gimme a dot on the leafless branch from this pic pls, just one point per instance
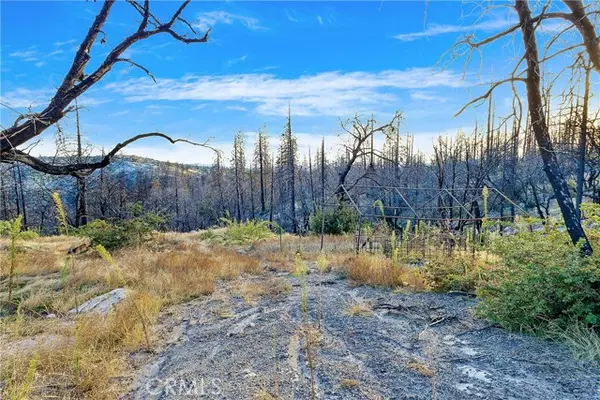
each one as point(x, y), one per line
point(84, 169)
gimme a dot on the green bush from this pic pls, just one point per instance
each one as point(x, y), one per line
point(6, 227)
point(545, 284)
point(130, 232)
point(341, 220)
point(29, 235)
point(246, 232)
point(448, 274)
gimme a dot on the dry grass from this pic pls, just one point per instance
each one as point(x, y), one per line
point(279, 261)
point(264, 394)
point(359, 309)
point(421, 368)
point(349, 383)
point(84, 359)
point(378, 270)
point(88, 358)
point(306, 244)
point(253, 291)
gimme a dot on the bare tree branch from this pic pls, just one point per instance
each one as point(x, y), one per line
point(84, 169)
point(134, 64)
point(76, 82)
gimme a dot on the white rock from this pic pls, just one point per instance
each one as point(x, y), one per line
point(103, 303)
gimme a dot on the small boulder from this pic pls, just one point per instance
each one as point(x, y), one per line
point(102, 304)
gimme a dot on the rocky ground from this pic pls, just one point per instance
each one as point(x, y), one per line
point(366, 343)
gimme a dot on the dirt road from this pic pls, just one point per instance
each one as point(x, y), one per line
point(410, 346)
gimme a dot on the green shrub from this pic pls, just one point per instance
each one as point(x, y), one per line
point(103, 233)
point(134, 231)
point(542, 289)
point(449, 275)
point(29, 235)
point(341, 220)
point(208, 234)
point(7, 226)
point(246, 232)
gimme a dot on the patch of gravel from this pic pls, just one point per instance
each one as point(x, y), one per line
point(412, 345)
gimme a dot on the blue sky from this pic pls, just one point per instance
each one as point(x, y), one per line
point(329, 60)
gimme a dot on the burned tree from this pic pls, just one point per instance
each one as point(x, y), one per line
point(77, 81)
point(537, 104)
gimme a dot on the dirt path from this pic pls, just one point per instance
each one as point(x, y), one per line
point(411, 345)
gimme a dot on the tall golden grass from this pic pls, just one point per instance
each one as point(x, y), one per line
point(86, 357)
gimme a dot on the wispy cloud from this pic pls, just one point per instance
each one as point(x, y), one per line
point(59, 44)
point(291, 15)
point(211, 18)
point(237, 108)
point(119, 113)
point(441, 29)
point(32, 55)
point(26, 54)
point(23, 98)
point(326, 93)
point(158, 107)
point(234, 61)
point(427, 96)
point(320, 19)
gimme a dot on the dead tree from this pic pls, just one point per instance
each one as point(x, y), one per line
point(77, 81)
point(531, 78)
point(583, 141)
point(361, 135)
point(81, 208)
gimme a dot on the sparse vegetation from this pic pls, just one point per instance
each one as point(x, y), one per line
point(106, 258)
point(87, 353)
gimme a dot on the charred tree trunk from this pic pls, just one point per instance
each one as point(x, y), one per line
point(4, 199)
point(261, 166)
point(540, 130)
point(251, 193)
point(16, 189)
point(582, 142)
point(23, 205)
point(81, 207)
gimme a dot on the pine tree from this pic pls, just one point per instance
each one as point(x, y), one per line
point(239, 165)
point(261, 160)
point(287, 163)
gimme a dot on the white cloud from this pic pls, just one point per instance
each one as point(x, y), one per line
point(24, 54)
point(159, 107)
point(320, 19)
point(23, 98)
point(209, 19)
point(427, 96)
point(59, 44)
point(326, 93)
point(54, 53)
point(291, 15)
point(119, 113)
point(40, 64)
point(234, 61)
point(237, 108)
point(441, 29)
point(87, 100)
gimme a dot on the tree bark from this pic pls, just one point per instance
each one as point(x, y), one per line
point(582, 142)
point(81, 207)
